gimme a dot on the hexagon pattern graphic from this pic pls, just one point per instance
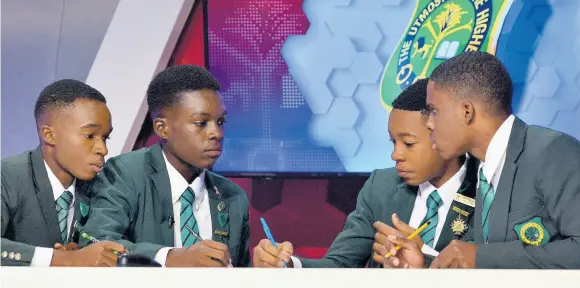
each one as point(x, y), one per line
point(337, 66)
point(541, 51)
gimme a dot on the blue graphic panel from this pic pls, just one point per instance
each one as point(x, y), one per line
point(315, 106)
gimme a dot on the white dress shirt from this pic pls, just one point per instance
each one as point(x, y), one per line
point(43, 256)
point(201, 209)
point(496, 153)
point(447, 192)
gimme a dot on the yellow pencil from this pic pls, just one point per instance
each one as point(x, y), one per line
point(413, 235)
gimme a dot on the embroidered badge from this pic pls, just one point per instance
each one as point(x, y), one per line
point(221, 233)
point(458, 226)
point(460, 211)
point(222, 218)
point(533, 232)
point(464, 200)
point(221, 206)
point(84, 209)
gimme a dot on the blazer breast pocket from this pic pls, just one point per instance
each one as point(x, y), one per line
point(528, 212)
point(533, 227)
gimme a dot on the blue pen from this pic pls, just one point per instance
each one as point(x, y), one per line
point(269, 235)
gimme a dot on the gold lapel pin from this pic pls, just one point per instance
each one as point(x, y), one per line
point(221, 206)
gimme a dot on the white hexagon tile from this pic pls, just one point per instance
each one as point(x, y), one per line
point(338, 64)
point(540, 49)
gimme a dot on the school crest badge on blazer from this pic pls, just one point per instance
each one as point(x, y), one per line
point(533, 232)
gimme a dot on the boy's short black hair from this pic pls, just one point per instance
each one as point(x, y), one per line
point(414, 98)
point(166, 88)
point(477, 74)
point(64, 93)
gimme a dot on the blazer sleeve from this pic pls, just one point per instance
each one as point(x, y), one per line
point(9, 247)
point(352, 248)
point(558, 180)
point(114, 206)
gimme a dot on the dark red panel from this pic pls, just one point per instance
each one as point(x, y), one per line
point(191, 47)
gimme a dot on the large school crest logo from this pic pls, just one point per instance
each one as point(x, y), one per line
point(439, 30)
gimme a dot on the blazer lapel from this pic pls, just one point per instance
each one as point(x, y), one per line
point(162, 190)
point(478, 230)
point(446, 234)
point(82, 207)
point(81, 211)
point(461, 210)
point(45, 195)
point(403, 202)
point(220, 207)
point(499, 210)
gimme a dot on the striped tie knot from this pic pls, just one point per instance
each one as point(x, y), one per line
point(482, 176)
point(188, 195)
point(434, 201)
point(63, 202)
point(487, 195)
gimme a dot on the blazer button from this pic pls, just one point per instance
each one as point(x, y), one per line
point(11, 255)
point(17, 256)
point(4, 254)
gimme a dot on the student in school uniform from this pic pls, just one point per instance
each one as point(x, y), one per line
point(44, 191)
point(528, 183)
point(163, 202)
point(398, 200)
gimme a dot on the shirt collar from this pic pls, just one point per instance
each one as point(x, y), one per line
point(57, 187)
point(448, 189)
point(497, 148)
point(179, 184)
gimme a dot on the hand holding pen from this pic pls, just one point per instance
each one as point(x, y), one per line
point(97, 254)
point(204, 253)
point(394, 250)
point(95, 240)
point(199, 239)
point(268, 253)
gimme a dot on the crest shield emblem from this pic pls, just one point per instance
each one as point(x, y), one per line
point(437, 31)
